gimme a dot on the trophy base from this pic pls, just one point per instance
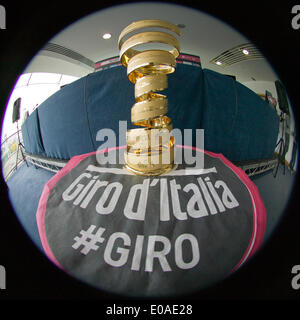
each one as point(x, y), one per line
point(154, 172)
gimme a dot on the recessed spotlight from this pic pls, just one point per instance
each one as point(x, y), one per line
point(218, 63)
point(245, 51)
point(106, 36)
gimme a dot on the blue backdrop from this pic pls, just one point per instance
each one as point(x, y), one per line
point(236, 121)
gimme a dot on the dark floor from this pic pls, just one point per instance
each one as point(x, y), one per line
point(275, 192)
point(26, 186)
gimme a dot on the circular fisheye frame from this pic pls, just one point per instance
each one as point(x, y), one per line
point(64, 137)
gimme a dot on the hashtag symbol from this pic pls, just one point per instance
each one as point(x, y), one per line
point(89, 239)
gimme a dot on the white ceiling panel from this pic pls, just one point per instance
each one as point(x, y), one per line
point(203, 35)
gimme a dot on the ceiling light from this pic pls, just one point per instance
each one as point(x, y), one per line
point(218, 63)
point(242, 52)
point(106, 36)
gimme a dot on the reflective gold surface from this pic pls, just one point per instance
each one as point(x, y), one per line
point(150, 150)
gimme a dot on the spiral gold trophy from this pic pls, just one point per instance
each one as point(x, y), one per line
point(150, 149)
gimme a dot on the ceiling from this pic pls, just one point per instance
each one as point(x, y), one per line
point(203, 35)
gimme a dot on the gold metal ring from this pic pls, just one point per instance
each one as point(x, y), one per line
point(127, 51)
point(147, 24)
point(150, 62)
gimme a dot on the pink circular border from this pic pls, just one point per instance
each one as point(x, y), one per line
point(259, 211)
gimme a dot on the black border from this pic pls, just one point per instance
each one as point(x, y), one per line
point(30, 275)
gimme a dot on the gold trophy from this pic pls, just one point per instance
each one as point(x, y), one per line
point(150, 149)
